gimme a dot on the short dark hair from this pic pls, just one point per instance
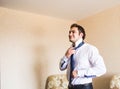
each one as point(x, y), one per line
point(80, 29)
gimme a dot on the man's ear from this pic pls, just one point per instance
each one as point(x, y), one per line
point(81, 34)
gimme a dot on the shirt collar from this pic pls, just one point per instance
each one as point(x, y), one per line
point(78, 42)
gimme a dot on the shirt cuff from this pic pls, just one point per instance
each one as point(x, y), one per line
point(65, 58)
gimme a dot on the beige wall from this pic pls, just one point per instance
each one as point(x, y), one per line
point(31, 46)
point(103, 31)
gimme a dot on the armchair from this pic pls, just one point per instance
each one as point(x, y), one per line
point(115, 82)
point(58, 81)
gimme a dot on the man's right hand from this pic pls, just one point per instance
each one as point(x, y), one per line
point(69, 52)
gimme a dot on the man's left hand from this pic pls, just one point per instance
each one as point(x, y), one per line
point(75, 73)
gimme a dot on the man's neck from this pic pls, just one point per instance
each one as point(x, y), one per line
point(78, 42)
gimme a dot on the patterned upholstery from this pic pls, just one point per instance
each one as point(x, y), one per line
point(115, 82)
point(58, 81)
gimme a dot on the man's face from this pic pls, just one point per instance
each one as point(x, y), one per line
point(74, 35)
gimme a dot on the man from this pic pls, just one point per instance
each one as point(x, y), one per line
point(82, 60)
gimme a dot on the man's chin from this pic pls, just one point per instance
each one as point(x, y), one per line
point(71, 41)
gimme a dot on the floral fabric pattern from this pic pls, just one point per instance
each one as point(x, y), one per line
point(115, 82)
point(57, 82)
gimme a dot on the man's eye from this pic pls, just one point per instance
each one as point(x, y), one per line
point(73, 32)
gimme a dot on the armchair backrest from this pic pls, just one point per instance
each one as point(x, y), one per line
point(58, 81)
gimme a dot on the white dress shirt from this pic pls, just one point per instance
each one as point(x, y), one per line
point(88, 62)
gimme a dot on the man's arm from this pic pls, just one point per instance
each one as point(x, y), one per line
point(66, 58)
point(97, 66)
point(63, 63)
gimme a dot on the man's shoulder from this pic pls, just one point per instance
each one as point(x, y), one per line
point(90, 46)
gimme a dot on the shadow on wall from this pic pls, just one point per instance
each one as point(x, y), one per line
point(102, 82)
point(40, 68)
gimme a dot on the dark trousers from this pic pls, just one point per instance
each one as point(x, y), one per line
point(81, 86)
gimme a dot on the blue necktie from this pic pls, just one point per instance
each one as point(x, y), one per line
point(72, 61)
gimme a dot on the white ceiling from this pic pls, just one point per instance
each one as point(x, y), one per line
point(66, 9)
